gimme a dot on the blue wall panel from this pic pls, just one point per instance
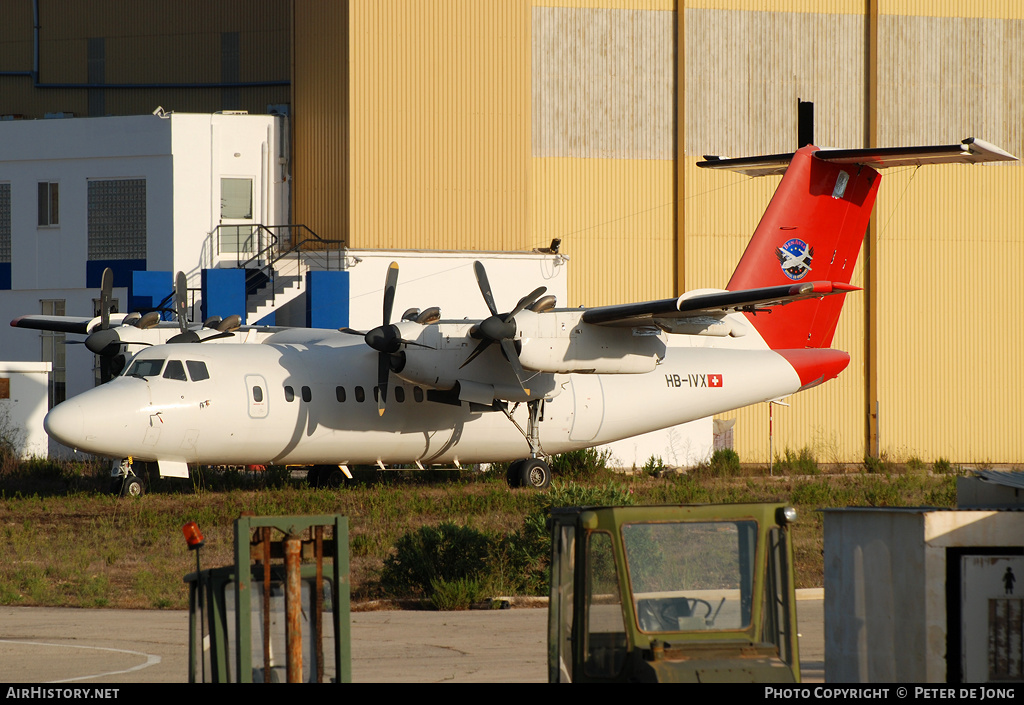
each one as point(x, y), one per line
point(148, 291)
point(327, 299)
point(223, 293)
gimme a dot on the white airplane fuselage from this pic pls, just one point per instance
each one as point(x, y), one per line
point(311, 401)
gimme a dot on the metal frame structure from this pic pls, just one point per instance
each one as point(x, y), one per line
point(281, 553)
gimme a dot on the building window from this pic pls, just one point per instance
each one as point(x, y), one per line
point(49, 203)
point(117, 219)
point(5, 223)
point(236, 199)
point(53, 352)
point(96, 75)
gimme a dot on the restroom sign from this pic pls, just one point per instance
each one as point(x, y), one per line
point(992, 607)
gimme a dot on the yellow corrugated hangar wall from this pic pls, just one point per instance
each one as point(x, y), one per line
point(462, 124)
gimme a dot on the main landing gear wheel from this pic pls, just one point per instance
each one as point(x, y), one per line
point(325, 476)
point(535, 473)
point(512, 476)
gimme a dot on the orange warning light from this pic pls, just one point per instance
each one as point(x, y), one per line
point(193, 536)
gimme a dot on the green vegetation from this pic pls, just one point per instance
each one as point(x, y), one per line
point(580, 464)
point(724, 462)
point(802, 463)
point(66, 542)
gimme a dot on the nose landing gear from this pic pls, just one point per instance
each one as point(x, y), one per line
point(124, 481)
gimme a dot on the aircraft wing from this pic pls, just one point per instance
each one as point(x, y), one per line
point(64, 324)
point(641, 314)
point(969, 151)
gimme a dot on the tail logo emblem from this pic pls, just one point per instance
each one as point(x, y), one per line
point(795, 258)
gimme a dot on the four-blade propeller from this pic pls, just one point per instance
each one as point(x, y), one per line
point(500, 328)
point(106, 340)
point(386, 339)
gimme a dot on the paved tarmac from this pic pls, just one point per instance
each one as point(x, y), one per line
point(93, 647)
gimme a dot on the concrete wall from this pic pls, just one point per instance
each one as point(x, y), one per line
point(887, 581)
point(206, 148)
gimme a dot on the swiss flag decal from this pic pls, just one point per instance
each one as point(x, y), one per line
point(714, 380)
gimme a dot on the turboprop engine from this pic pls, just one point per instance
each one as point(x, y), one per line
point(560, 342)
point(438, 364)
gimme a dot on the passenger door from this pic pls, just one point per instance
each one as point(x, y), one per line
point(259, 401)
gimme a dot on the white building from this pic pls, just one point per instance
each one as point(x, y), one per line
point(139, 193)
point(23, 394)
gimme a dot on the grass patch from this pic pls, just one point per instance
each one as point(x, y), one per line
point(67, 546)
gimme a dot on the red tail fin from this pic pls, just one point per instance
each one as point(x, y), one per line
point(812, 231)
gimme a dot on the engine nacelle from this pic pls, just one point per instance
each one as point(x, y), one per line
point(488, 377)
point(560, 342)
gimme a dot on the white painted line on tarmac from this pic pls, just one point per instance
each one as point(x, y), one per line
point(151, 659)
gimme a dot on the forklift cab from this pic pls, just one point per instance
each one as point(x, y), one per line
point(672, 593)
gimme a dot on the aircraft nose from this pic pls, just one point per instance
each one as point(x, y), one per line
point(66, 423)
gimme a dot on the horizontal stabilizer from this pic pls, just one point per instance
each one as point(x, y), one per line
point(969, 151)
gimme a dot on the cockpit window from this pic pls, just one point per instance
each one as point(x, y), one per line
point(149, 367)
point(197, 370)
point(175, 370)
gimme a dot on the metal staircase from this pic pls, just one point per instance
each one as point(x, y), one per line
point(276, 259)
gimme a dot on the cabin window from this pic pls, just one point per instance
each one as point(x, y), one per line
point(417, 394)
point(360, 395)
point(257, 394)
point(197, 370)
point(340, 393)
point(145, 368)
point(307, 394)
point(289, 394)
point(399, 394)
point(176, 371)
